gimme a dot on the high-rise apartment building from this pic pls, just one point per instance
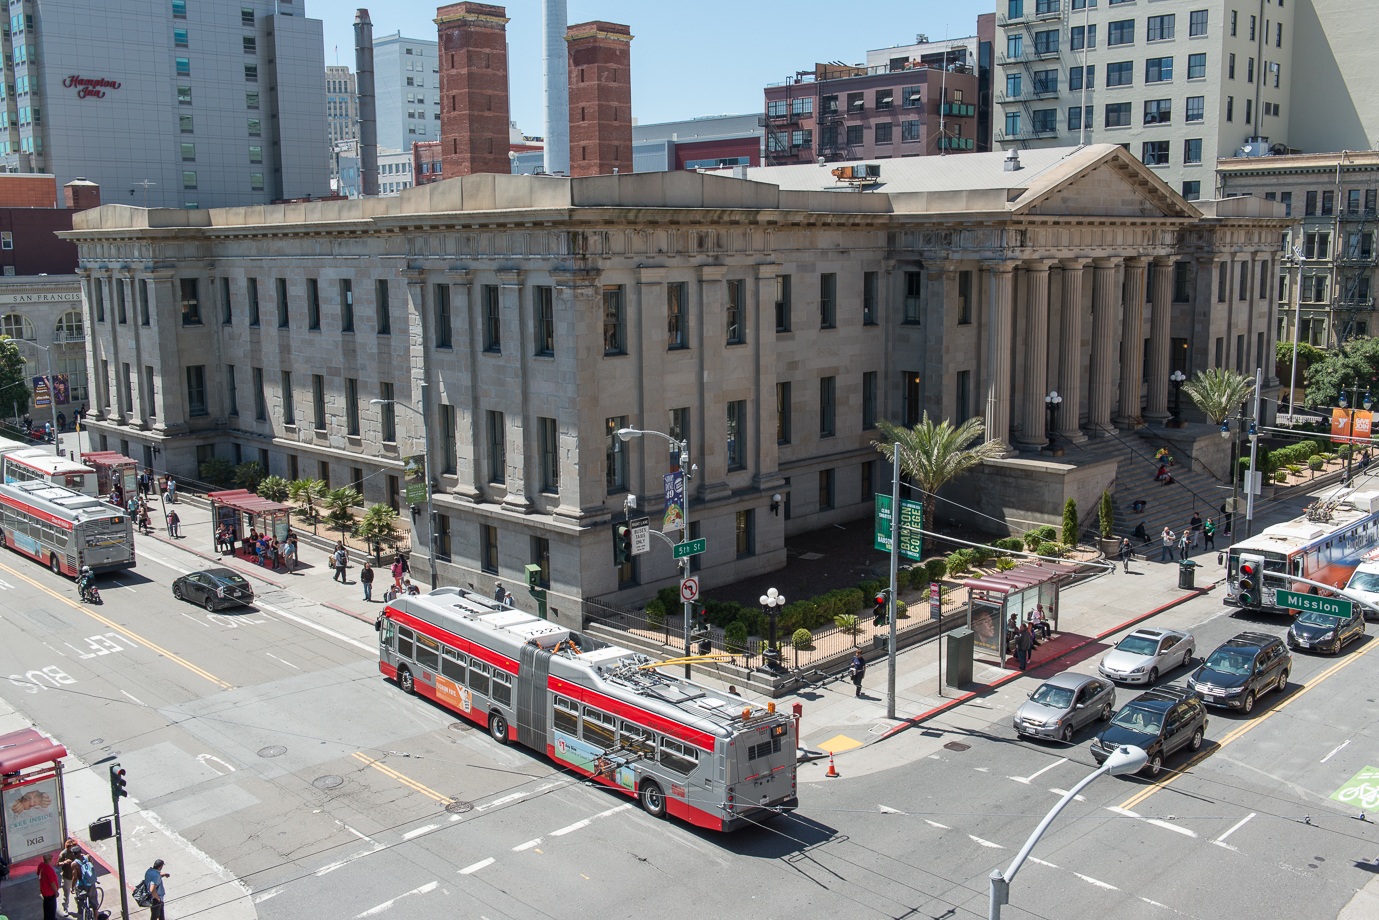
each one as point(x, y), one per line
point(407, 89)
point(342, 104)
point(176, 100)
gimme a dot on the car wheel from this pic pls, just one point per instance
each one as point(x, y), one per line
point(176, 591)
point(210, 605)
point(653, 799)
point(1283, 681)
point(406, 681)
point(1154, 766)
point(54, 564)
point(1105, 713)
point(1153, 675)
point(1187, 659)
point(1247, 705)
point(498, 727)
point(1196, 743)
point(1067, 735)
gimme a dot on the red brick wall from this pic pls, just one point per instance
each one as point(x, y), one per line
point(37, 250)
point(600, 98)
point(749, 147)
point(429, 153)
point(19, 190)
point(474, 89)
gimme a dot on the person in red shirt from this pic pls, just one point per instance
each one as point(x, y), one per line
point(48, 887)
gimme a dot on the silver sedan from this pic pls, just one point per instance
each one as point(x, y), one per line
point(1064, 704)
point(1143, 655)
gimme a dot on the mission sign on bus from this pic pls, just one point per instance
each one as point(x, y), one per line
point(90, 87)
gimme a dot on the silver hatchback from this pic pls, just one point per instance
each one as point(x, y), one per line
point(1143, 655)
point(1063, 704)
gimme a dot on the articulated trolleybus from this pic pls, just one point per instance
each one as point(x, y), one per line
point(603, 711)
point(65, 529)
point(1325, 545)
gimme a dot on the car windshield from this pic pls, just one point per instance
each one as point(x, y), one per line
point(1053, 697)
point(1231, 661)
point(1319, 619)
point(1139, 720)
point(1364, 581)
point(1138, 645)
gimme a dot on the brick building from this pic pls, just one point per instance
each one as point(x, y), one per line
point(600, 98)
point(474, 88)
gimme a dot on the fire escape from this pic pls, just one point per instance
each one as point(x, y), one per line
point(1036, 17)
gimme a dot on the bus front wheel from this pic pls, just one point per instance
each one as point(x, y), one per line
point(653, 799)
point(498, 727)
point(406, 681)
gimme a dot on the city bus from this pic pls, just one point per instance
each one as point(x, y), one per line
point(1324, 545)
point(65, 529)
point(602, 711)
point(20, 462)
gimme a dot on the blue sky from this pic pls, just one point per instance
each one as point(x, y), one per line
point(704, 58)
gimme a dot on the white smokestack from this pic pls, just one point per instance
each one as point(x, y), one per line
point(363, 84)
point(556, 69)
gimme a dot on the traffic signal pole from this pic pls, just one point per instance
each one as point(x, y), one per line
point(1254, 450)
point(117, 792)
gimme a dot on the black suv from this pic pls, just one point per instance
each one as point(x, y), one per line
point(1159, 722)
point(1241, 670)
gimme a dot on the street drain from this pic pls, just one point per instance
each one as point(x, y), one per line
point(460, 726)
point(956, 746)
point(456, 807)
point(273, 750)
point(329, 781)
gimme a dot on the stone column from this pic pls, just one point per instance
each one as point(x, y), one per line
point(1033, 420)
point(1103, 346)
point(1070, 352)
point(1132, 345)
point(713, 477)
point(1156, 406)
point(1000, 333)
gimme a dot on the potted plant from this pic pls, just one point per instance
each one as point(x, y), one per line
point(1107, 516)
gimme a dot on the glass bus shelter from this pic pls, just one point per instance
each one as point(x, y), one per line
point(1000, 603)
point(243, 511)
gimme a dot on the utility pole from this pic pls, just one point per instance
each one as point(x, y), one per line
point(1254, 450)
point(895, 566)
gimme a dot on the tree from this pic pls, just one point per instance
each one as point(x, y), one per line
point(1357, 365)
point(1308, 355)
point(1107, 515)
point(1218, 392)
point(307, 492)
point(216, 470)
point(935, 454)
point(378, 523)
point(341, 503)
point(274, 488)
point(14, 387)
point(849, 624)
point(1070, 522)
point(248, 475)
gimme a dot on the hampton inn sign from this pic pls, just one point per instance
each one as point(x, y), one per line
point(90, 87)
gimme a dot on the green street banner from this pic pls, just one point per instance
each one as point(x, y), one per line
point(414, 477)
point(911, 523)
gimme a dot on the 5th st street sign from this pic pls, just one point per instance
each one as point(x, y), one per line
point(911, 523)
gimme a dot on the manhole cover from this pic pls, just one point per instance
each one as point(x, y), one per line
point(273, 750)
point(956, 746)
point(460, 726)
point(456, 807)
point(98, 741)
point(329, 781)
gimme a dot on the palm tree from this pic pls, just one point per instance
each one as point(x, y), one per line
point(933, 454)
point(378, 523)
point(307, 492)
point(1218, 391)
point(341, 503)
point(248, 475)
point(273, 488)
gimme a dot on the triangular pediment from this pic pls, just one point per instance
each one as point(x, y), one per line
point(1108, 183)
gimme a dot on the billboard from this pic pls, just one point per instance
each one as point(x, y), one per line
point(33, 819)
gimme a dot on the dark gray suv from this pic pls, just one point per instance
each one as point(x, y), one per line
point(1241, 670)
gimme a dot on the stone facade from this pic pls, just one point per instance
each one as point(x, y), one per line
point(600, 55)
point(474, 89)
point(769, 321)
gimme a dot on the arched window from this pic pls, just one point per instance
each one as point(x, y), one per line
point(17, 326)
point(69, 327)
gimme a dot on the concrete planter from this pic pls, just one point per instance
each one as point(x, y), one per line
point(1109, 548)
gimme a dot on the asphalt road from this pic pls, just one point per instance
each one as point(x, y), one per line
point(268, 739)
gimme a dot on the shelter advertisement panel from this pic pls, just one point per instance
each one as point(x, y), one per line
point(33, 818)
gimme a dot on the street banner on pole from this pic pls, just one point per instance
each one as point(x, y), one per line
point(61, 391)
point(675, 502)
point(414, 477)
point(42, 399)
point(911, 523)
point(1340, 425)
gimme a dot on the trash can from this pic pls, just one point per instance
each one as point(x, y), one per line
point(959, 663)
point(1186, 576)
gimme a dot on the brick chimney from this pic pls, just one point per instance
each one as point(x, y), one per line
point(474, 89)
point(600, 98)
point(81, 194)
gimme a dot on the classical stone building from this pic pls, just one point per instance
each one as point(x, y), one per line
point(772, 320)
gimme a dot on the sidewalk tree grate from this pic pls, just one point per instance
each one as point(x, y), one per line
point(457, 807)
point(460, 726)
point(329, 781)
point(273, 750)
point(956, 746)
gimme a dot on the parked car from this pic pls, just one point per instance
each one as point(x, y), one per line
point(1063, 704)
point(1364, 582)
point(1143, 655)
point(1241, 670)
point(214, 589)
point(1159, 721)
point(1326, 632)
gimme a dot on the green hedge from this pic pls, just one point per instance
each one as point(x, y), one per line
point(655, 612)
point(1051, 549)
point(937, 568)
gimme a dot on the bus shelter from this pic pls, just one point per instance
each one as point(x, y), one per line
point(1000, 603)
point(243, 511)
point(33, 819)
point(113, 469)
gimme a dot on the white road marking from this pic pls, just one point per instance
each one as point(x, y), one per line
point(270, 893)
point(888, 810)
point(356, 833)
point(1123, 812)
point(326, 870)
point(283, 660)
point(986, 843)
point(1097, 882)
point(526, 846)
point(195, 620)
point(481, 864)
point(1076, 798)
point(943, 827)
point(1221, 841)
point(373, 911)
point(1026, 779)
point(202, 758)
point(1176, 828)
point(503, 801)
point(590, 820)
point(133, 697)
point(1041, 862)
point(1335, 751)
point(417, 832)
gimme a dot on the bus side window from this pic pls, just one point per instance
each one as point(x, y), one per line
point(452, 665)
point(478, 676)
point(636, 739)
point(598, 728)
point(680, 758)
point(566, 716)
point(502, 687)
point(404, 642)
point(428, 652)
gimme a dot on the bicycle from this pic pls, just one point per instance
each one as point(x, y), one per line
point(85, 911)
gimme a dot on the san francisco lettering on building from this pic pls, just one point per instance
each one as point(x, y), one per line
point(92, 87)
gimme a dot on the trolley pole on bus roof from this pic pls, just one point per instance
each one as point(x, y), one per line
point(1254, 450)
point(895, 566)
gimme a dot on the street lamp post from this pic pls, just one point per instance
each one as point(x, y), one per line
point(1350, 438)
point(52, 397)
point(1123, 760)
point(426, 446)
point(772, 600)
point(1178, 379)
point(1052, 403)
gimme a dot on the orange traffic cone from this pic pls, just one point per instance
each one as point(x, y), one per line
point(832, 770)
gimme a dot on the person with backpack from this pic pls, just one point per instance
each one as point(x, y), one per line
point(341, 562)
point(154, 890)
point(84, 879)
point(859, 670)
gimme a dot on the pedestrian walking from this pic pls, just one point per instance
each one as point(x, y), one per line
point(290, 552)
point(366, 579)
point(859, 670)
point(173, 522)
point(1209, 533)
point(146, 482)
point(1226, 518)
point(398, 571)
point(341, 563)
point(66, 866)
point(153, 879)
point(1167, 538)
point(172, 489)
point(85, 880)
point(1196, 522)
point(1024, 641)
point(48, 887)
point(1183, 539)
point(1125, 553)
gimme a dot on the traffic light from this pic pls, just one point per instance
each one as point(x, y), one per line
point(622, 543)
point(1251, 580)
point(117, 782)
point(880, 615)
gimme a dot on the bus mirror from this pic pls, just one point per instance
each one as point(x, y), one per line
point(378, 624)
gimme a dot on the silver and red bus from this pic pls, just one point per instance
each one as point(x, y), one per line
point(605, 712)
point(65, 529)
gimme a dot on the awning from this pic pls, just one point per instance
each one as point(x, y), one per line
point(106, 457)
point(1026, 575)
point(26, 748)
point(246, 501)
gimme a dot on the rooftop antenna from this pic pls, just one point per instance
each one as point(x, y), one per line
point(146, 183)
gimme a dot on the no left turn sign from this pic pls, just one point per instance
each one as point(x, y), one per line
point(689, 589)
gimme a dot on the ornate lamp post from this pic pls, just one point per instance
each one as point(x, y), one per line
point(1052, 402)
point(1178, 379)
point(772, 601)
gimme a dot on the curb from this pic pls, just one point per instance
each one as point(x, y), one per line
point(971, 695)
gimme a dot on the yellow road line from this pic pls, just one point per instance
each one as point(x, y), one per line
point(200, 672)
point(404, 780)
point(1248, 726)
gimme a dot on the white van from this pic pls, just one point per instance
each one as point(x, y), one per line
point(1364, 582)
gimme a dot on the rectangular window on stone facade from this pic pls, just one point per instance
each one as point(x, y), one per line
point(854, 136)
point(443, 537)
point(545, 321)
point(1222, 281)
point(387, 413)
point(541, 557)
point(488, 548)
point(352, 407)
point(868, 400)
point(493, 318)
point(870, 290)
point(911, 130)
point(550, 463)
point(1158, 70)
point(191, 305)
point(1121, 32)
point(1240, 354)
point(383, 313)
point(614, 321)
point(313, 304)
point(143, 302)
point(679, 430)
point(449, 440)
point(1120, 73)
point(615, 455)
point(782, 303)
point(253, 285)
point(1160, 28)
point(735, 312)
point(121, 316)
point(1197, 23)
point(783, 413)
point(913, 291)
point(1158, 111)
point(825, 489)
point(1195, 109)
point(737, 434)
point(281, 286)
point(443, 324)
point(828, 400)
point(1328, 203)
point(1045, 121)
point(497, 448)
point(1242, 289)
point(677, 317)
point(962, 405)
point(1075, 75)
point(318, 402)
point(868, 480)
point(1263, 287)
point(346, 305)
point(884, 132)
point(1196, 66)
point(964, 298)
point(196, 391)
point(828, 291)
point(260, 397)
point(1182, 276)
point(289, 407)
point(745, 532)
point(226, 310)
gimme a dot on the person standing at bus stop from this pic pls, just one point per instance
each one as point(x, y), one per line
point(48, 887)
point(173, 522)
point(366, 579)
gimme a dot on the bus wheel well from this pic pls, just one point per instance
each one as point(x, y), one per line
point(498, 726)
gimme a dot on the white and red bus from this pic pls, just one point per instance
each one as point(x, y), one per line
point(20, 462)
point(605, 712)
point(65, 529)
